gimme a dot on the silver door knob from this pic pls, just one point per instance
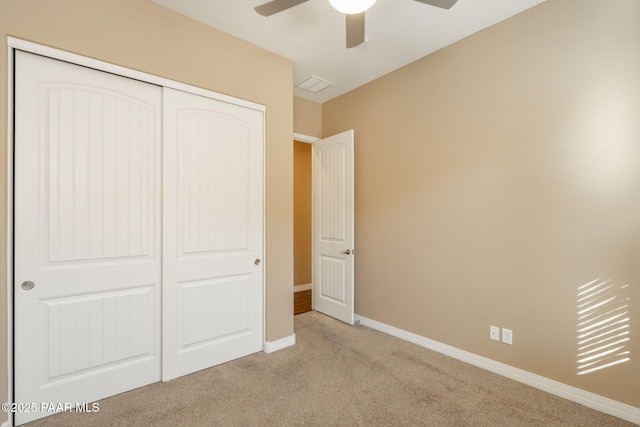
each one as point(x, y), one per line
point(347, 252)
point(28, 285)
point(257, 261)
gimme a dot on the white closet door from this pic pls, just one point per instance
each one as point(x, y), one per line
point(212, 232)
point(87, 234)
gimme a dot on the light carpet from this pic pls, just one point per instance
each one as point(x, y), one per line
point(338, 375)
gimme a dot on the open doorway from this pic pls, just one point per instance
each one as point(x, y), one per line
point(324, 225)
point(302, 240)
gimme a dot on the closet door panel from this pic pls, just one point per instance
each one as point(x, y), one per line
point(213, 232)
point(87, 234)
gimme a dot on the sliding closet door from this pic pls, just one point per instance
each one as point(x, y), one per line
point(87, 234)
point(212, 232)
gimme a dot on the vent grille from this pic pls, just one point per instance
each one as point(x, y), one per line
point(314, 84)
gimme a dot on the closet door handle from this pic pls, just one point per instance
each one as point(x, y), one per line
point(28, 285)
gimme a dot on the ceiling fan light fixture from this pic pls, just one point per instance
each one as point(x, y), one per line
point(351, 6)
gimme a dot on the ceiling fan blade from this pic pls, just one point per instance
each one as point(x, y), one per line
point(276, 6)
point(355, 29)
point(444, 4)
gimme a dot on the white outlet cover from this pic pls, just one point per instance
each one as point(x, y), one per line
point(494, 333)
point(507, 336)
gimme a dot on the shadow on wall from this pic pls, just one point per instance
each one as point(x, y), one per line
point(603, 325)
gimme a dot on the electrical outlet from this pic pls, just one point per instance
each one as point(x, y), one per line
point(507, 336)
point(494, 333)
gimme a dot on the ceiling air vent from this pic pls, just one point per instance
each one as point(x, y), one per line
point(314, 84)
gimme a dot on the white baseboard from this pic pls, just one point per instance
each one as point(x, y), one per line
point(591, 400)
point(300, 288)
point(271, 346)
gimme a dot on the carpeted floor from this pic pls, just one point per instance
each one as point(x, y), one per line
point(338, 375)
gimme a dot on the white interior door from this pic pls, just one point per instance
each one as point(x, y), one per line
point(87, 234)
point(333, 211)
point(213, 232)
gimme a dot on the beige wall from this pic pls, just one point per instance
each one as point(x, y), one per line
point(307, 117)
point(496, 177)
point(301, 213)
point(144, 36)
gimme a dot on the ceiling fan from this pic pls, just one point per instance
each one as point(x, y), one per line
point(353, 10)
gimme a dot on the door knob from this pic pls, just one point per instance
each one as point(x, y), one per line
point(257, 261)
point(28, 285)
point(347, 252)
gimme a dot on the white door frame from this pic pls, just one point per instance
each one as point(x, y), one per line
point(305, 138)
point(309, 140)
point(18, 44)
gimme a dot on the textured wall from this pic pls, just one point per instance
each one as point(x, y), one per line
point(498, 182)
point(307, 117)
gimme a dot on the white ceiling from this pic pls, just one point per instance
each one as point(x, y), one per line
point(313, 34)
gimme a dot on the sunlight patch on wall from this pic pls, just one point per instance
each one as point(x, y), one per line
point(603, 326)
